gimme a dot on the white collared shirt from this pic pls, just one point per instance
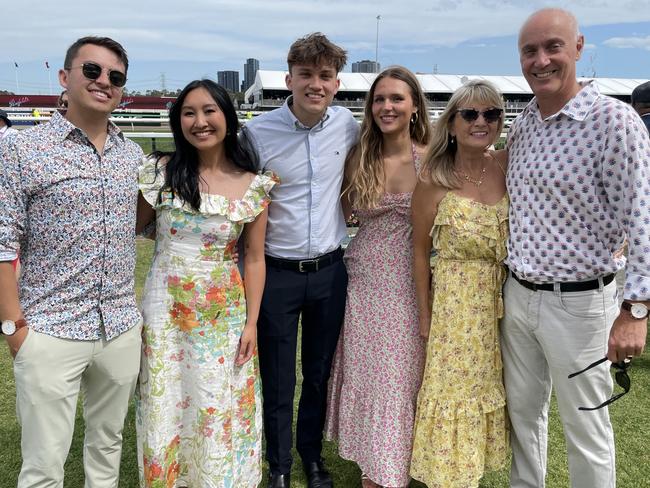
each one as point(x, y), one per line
point(579, 183)
point(305, 216)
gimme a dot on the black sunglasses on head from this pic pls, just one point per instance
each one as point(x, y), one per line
point(490, 115)
point(92, 71)
point(622, 380)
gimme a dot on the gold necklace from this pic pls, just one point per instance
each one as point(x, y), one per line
point(478, 182)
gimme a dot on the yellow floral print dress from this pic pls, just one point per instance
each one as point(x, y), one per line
point(461, 428)
point(198, 416)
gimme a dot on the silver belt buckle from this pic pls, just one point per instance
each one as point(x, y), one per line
point(307, 261)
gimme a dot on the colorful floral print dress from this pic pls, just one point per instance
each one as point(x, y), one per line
point(461, 429)
point(198, 415)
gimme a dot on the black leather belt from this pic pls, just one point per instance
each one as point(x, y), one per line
point(306, 265)
point(568, 286)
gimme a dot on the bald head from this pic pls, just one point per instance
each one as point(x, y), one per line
point(556, 15)
point(549, 47)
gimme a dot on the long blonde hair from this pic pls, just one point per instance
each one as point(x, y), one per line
point(438, 164)
point(366, 162)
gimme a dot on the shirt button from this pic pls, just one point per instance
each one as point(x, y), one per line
point(526, 260)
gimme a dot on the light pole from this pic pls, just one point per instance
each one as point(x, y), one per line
point(377, 45)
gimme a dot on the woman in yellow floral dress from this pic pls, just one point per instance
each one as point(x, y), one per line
point(460, 207)
point(198, 403)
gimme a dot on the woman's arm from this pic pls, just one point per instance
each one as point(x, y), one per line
point(424, 207)
point(255, 272)
point(351, 162)
point(145, 215)
point(346, 200)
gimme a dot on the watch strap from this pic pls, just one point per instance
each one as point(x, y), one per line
point(628, 306)
point(18, 324)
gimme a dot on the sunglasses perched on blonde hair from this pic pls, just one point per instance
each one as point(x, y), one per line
point(470, 114)
point(92, 71)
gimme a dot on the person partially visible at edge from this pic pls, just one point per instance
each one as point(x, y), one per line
point(460, 209)
point(641, 102)
point(304, 143)
point(69, 190)
point(6, 128)
point(380, 355)
point(199, 364)
point(62, 102)
point(573, 202)
point(37, 116)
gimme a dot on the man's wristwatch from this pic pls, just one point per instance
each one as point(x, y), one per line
point(9, 327)
point(637, 310)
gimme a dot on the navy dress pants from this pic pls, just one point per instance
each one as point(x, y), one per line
point(319, 298)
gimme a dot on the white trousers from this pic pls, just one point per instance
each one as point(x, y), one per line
point(50, 372)
point(545, 336)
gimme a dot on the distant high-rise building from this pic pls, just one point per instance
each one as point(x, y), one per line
point(366, 66)
point(229, 80)
point(250, 69)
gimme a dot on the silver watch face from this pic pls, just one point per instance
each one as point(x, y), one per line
point(8, 327)
point(639, 310)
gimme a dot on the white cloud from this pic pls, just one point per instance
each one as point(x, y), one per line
point(194, 29)
point(221, 34)
point(629, 42)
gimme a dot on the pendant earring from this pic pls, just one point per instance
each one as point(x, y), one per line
point(414, 118)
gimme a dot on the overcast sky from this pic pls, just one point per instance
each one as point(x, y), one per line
point(180, 41)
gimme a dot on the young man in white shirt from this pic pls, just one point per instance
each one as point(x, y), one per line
point(305, 142)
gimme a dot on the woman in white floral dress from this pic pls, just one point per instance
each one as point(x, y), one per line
point(198, 401)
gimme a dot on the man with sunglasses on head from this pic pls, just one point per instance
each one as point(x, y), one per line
point(68, 190)
point(579, 183)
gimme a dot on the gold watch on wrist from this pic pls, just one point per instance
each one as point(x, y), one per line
point(637, 310)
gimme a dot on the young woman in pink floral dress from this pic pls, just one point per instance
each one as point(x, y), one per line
point(378, 365)
point(199, 418)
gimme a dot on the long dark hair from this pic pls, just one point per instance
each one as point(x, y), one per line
point(182, 168)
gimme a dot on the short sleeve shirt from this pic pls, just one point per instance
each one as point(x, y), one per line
point(70, 211)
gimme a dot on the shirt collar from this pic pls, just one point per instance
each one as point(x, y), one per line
point(577, 108)
point(62, 128)
point(294, 123)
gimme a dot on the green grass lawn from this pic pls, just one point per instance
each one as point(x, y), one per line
point(161, 144)
point(630, 416)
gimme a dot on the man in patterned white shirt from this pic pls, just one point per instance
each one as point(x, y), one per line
point(579, 183)
point(68, 193)
point(641, 102)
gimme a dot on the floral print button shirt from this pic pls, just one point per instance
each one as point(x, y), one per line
point(70, 211)
point(579, 183)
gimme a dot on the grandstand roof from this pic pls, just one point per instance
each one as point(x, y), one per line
point(360, 82)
